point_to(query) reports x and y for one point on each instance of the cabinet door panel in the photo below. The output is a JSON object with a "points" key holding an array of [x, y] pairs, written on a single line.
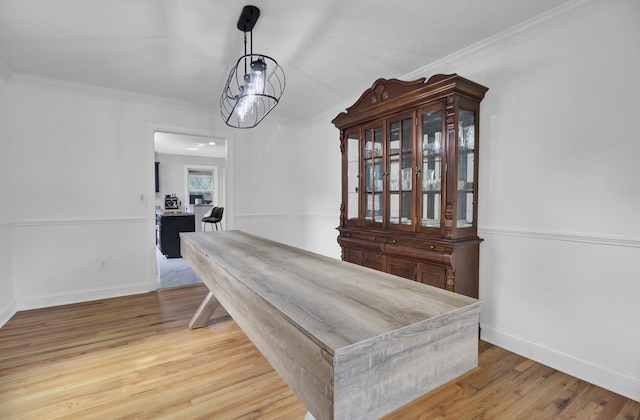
{"points": [[352, 181], [465, 182], [432, 169], [373, 260], [432, 275], [400, 170], [401, 267], [353, 255], [373, 175]]}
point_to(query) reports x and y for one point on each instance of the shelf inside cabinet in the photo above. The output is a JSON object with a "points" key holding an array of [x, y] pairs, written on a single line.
{"points": [[400, 220]]}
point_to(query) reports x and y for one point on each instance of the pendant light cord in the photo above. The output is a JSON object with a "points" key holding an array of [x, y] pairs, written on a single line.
{"points": [[245, 53]]}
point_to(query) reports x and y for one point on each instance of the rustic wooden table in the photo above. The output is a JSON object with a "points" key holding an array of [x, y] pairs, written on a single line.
{"points": [[352, 343]]}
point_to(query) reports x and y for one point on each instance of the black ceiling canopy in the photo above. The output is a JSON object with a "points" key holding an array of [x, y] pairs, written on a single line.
{"points": [[248, 18]]}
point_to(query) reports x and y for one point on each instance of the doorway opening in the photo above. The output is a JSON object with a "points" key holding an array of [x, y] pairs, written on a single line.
{"points": [[192, 167]]}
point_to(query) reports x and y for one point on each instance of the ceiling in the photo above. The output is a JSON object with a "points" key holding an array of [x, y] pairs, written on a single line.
{"points": [[190, 145], [331, 50]]}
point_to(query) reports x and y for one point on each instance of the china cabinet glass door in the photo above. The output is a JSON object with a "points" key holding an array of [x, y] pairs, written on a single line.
{"points": [[431, 170], [466, 168], [373, 174], [400, 151], [353, 177]]}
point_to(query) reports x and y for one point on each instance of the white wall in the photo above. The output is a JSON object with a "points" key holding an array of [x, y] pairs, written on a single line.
{"points": [[83, 161], [559, 270], [558, 194], [269, 181], [558, 190], [322, 185], [7, 301]]}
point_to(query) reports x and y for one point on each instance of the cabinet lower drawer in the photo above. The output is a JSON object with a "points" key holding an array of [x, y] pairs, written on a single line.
{"points": [[373, 260], [401, 267], [367, 259], [442, 264], [369, 242], [353, 255], [432, 275]]}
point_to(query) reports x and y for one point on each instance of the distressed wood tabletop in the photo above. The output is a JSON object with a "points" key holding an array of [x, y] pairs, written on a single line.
{"points": [[350, 341]]}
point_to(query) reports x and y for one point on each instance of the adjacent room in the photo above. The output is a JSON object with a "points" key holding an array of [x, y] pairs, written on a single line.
{"points": [[189, 184], [384, 161]]}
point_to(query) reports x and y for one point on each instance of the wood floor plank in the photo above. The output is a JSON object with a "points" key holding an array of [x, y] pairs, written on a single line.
{"points": [[630, 411], [135, 357]]}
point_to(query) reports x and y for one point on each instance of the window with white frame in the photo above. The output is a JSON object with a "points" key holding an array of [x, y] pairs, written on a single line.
{"points": [[200, 186]]}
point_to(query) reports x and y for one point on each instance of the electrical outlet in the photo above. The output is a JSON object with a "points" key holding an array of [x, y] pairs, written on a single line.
{"points": [[103, 264]]}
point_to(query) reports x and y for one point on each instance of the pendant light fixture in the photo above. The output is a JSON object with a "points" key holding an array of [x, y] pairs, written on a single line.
{"points": [[255, 84]]}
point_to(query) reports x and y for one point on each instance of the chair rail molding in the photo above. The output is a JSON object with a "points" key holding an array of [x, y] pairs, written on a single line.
{"points": [[273, 215], [77, 221], [610, 240]]}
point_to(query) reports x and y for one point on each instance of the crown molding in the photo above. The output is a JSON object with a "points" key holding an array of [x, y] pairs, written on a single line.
{"points": [[517, 34], [514, 35], [26, 79]]}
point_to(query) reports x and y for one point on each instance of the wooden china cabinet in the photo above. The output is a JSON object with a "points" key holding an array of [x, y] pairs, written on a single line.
{"points": [[410, 180]]}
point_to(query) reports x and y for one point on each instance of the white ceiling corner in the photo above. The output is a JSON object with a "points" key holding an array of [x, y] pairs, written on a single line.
{"points": [[330, 51]]}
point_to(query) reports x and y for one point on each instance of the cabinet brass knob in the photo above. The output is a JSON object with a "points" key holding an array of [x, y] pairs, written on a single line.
{"points": [[374, 238], [394, 241], [432, 247]]}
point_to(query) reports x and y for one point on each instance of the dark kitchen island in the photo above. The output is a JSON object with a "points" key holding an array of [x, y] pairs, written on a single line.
{"points": [[170, 224]]}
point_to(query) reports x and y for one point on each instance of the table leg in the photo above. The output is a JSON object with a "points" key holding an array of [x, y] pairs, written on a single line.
{"points": [[204, 312]]}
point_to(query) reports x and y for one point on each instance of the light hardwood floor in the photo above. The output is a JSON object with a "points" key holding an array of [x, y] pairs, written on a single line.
{"points": [[135, 357]]}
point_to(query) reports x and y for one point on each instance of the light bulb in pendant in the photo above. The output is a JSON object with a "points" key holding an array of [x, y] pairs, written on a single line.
{"points": [[259, 69]]}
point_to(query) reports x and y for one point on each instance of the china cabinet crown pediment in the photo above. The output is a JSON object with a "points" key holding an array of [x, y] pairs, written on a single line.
{"points": [[410, 180]]}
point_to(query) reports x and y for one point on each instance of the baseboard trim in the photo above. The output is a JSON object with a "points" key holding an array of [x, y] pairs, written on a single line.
{"points": [[603, 376], [8, 311], [78, 296]]}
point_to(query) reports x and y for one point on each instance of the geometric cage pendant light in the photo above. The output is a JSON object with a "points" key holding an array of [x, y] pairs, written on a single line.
{"points": [[255, 84]]}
